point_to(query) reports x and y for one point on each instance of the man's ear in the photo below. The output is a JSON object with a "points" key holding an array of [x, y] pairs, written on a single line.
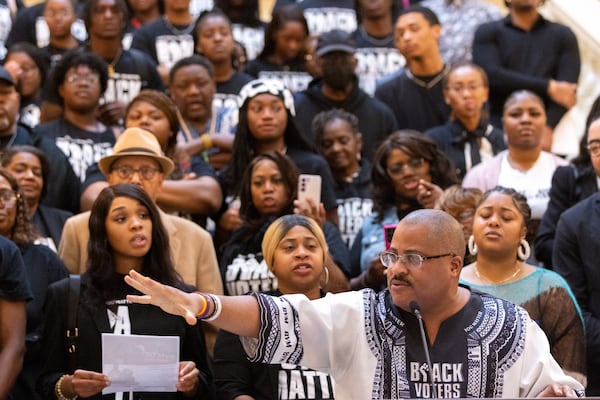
{"points": [[456, 265]]}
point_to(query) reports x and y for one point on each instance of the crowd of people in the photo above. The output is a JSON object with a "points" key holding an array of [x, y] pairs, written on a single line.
{"points": [[153, 162]]}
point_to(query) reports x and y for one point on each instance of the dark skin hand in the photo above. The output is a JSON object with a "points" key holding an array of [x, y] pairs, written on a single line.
{"points": [[111, 114]]}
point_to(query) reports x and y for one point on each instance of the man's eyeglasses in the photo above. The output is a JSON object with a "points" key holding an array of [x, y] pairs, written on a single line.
{"points": [[90, 79], [126, 172], [395, 170], [410, 260], [594, 149], [8, 198]]}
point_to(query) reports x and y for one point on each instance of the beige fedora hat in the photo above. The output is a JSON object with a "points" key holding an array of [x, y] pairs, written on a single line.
{"points": [[136, 142]]}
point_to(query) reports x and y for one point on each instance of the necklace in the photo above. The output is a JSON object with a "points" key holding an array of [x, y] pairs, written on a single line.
{"points": [[432, 82], [111, 65], [514, 274]]}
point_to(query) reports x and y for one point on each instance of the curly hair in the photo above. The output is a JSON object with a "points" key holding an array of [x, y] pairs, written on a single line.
{"points": [[76, 58], [23, 232], [289, 174], [457, 199], [414, 144], [157, 263]]}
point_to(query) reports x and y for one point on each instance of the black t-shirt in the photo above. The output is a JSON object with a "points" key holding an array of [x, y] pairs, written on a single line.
{"points": [[314, 164], [234, 84], [14, 285], [293, 75], [62, 185], [134, 71], [354, 202], [242, 265], [251, 37], [164, 42], [82, 148], [415, 106], [325, 15], [30, 26], [226, 101], [377, 57]]}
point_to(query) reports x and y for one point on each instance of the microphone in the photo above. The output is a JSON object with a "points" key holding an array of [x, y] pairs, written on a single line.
{"points": [[416, 310]]}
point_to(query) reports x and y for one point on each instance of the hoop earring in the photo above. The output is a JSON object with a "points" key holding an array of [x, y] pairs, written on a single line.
{"points": [[524, 250], [472, 245], [326, 275]]}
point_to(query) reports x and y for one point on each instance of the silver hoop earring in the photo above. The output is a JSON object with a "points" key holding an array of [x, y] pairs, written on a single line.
{"points": [[472, 245], [524, 250]]}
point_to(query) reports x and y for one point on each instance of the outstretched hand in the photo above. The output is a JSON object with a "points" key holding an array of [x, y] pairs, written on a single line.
{"points": [[169, 299], [557, 390]]}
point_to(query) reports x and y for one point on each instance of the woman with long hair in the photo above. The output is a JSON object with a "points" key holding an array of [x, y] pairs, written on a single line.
{"points": [[267, 123], [501, 269], [42, 268], [269, 188], [296, 255], [409, 173], [126, 233]]}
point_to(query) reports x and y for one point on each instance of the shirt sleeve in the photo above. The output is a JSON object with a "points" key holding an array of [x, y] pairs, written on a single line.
{"points": [[14, 285]]}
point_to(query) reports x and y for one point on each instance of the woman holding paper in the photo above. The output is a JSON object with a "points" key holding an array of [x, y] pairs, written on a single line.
{"points": [[125, 233]]}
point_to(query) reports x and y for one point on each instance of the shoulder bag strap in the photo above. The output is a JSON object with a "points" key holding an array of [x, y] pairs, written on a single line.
{"points": [[72, 333]]}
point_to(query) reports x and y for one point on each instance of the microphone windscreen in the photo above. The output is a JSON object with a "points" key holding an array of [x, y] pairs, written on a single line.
{"points": [[414, 307]]}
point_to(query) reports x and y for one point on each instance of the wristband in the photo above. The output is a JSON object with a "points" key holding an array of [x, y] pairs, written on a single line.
{"points": [[202, 313], [58, 389], [206, 141], [217, 307]]}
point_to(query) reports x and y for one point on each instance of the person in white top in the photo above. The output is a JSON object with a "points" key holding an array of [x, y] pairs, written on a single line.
{"points": [[524, 166], [373, 344]]}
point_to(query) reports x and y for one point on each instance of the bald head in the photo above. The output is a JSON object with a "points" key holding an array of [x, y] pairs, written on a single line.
{"points": [[443, 231]]}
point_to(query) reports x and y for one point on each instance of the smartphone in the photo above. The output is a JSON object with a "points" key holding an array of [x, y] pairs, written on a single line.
{"points": [[388, 232], [309, 186]]}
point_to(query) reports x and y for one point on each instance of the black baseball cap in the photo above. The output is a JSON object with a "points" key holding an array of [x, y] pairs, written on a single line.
{"points": [[5, 76], [335, 40]]}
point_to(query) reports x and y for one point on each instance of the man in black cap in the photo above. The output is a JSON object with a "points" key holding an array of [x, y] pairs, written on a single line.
{"points": [[338, 88]]}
